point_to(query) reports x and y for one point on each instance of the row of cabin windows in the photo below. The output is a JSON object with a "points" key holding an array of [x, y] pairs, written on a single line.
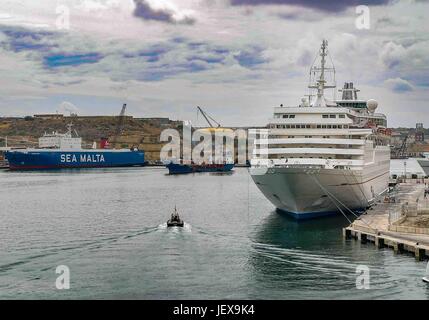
{"points": [[333, 126], [324, 137], [324, 116], [291, 137], [360, 105], [301, 157], [309, 126], [339, 157], [305, 158], [327, 137], [285, 116], [286, 146], [333, 116]]}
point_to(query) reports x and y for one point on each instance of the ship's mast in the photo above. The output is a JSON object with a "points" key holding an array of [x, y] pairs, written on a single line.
{"points": [[320, 84]]}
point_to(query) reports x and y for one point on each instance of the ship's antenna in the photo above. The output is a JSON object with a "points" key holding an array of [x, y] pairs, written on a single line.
{"points": [[334, 77], [312, 73], [320, 84]]}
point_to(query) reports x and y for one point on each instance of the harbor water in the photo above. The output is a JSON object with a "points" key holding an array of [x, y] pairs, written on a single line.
{"points": [[108, 226]]}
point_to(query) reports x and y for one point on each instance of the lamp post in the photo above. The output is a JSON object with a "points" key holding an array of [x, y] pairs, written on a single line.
{"points": [[405, 170]]}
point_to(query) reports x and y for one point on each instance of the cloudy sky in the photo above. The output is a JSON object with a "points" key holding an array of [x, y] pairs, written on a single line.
{"points": [[235, 58]]}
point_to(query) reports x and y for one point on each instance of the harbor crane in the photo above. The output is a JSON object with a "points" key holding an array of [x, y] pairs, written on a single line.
{"points": [[120, 125], [401, 153], [208, 118]]}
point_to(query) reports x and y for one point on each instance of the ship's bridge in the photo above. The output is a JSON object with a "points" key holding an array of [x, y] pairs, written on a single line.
{"points": [[352, 104], [309, 117]]}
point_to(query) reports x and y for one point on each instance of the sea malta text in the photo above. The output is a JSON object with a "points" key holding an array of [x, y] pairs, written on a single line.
{"points": [[86, 158]]}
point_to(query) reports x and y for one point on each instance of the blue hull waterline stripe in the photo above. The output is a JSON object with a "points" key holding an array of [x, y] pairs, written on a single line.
{"points": [[42, 159]]}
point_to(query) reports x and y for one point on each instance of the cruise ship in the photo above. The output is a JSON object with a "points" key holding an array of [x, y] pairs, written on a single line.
{"points": [[323, 156]]}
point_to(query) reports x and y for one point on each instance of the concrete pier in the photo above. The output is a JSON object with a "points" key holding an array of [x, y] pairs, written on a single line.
{"points": [[380, 225]]}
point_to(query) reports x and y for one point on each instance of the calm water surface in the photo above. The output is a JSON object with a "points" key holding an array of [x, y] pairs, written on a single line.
{"points": [[108, 227]]}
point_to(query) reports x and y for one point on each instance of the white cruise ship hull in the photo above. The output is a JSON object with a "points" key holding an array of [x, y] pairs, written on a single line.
{"points": [[305, 193]]}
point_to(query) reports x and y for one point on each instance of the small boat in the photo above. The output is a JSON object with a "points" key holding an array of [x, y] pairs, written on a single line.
{"points": [[175, 220], [426, 278]]}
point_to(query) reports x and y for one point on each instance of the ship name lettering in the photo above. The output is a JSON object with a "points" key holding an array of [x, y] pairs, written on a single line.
{"points": [[68, 158], [91, 158]]}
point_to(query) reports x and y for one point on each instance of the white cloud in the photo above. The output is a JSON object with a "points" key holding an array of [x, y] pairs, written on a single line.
{"points": [[67, 107], [399, 85], [376, 60], [164, 11], [392, 54], [97, 5]]}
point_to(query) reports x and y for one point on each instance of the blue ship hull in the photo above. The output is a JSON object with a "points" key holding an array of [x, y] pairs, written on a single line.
{"points": [[40, 159], [175, 168]]}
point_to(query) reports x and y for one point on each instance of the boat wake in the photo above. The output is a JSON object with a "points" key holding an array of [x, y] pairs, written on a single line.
{"points": [[86, 245], [186, 227], [319, 263]]}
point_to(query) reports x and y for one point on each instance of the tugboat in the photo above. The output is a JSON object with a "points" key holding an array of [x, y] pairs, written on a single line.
{"points": [[175, 220]]}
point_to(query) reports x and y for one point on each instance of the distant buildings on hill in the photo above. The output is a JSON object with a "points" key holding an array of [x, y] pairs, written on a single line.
{"points": [[410, 142]]}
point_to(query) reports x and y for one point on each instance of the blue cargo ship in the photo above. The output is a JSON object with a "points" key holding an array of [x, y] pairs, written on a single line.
{"points": [[178, 168], [60, 151]]}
